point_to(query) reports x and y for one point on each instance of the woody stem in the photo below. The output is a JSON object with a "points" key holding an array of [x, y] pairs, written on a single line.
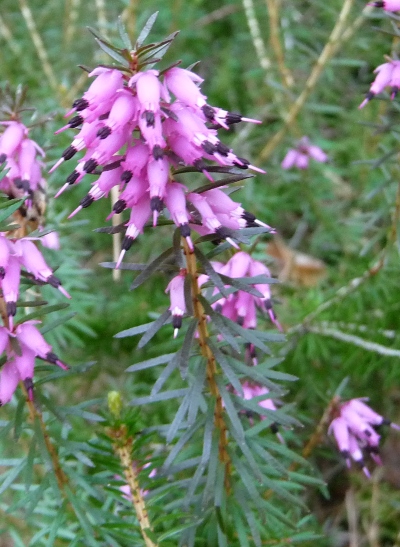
{"points": [[211, 364]]}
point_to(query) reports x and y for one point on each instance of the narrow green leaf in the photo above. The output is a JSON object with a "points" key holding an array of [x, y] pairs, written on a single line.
{"points": [[209, 270], [223, 328], [30, 303], [10, 476], [178, 418], [56, 526], [151, 268], [222, 359], [30, 460], [112, 53], [205, 456], [184, 353], [249, 335], [146, 29], [133, 331], [82, 517], [165, 374], [19, 420], [164, 396], [58, 322], [124, 35], [150, 363], [155, 327], [45, 311], [10, 207], [182, 441]]}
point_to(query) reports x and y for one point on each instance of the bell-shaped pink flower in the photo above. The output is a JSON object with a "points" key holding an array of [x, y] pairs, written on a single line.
{"points": [[10, 287], [148, 89], [123, 112], [32, 259], [387, 75], [387, 5], [175, 200], [176, 292], [140, 214], [182, 84]]}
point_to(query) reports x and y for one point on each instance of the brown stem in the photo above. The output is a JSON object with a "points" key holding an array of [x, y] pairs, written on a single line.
{"points": [[122, 444], [35, 414], [211, 366]]}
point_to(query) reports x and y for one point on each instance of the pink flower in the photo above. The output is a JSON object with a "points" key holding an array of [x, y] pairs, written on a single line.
{"points": [[51, 241], [387, 75], [177, 296], [299, 156], [387, 5], [20, 363], [354, 432]]}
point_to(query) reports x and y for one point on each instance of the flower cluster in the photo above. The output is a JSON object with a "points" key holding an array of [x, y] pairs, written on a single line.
{"points": [[354, 432], [387, 5], [22, 344], [387, 75], [158, 134], [19, 154], [239, 306], [15, 254], [300, 156]]}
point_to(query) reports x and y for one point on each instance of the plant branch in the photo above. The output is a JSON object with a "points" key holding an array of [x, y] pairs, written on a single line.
{"points": [[211, 367], [123, 444]]}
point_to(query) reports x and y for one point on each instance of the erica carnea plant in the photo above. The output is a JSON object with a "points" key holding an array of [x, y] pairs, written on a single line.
{"points": [[148, 132], [209, 448]]}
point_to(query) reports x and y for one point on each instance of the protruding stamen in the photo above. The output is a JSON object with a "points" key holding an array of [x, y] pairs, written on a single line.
{"points": [[75, 212], [62, 189]]}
